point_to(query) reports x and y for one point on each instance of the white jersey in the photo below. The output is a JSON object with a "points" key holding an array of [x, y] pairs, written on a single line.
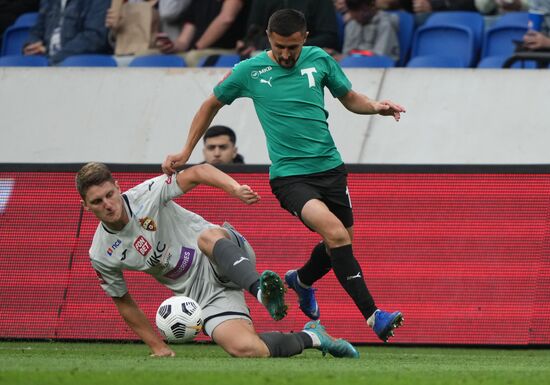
{"points": [[160, 239]]}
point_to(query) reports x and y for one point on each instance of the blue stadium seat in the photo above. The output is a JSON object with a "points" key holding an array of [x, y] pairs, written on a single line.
{"points": [[90, 60], [451, 40], [406, 34], [23, 61], [376, 61], [499, 40], [228, 60], [497, 61], [26, 19], [14, 38], [512, 19], [435, 61], [158, 61], [472, 20]]}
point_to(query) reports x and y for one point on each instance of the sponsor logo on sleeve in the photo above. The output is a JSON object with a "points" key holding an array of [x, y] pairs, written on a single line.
{"points": [[184, 263], [148, 224], [142, 245]]}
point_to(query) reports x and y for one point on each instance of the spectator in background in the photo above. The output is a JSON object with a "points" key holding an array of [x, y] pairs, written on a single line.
{"points": [[220, 146], [132, 26], [209, 27], [534, 40], [498, 7], [65, 28], [10, 10], [393, 5], [171, 16], [371, 30], [320, 18], [428, 6], [342, 9]]}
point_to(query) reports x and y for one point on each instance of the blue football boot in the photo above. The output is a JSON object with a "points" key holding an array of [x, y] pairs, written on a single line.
{"points": [[306, 296], [385, 323]]}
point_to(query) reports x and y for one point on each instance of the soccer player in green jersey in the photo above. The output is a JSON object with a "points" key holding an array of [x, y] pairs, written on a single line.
{"points": [[307, 174]]}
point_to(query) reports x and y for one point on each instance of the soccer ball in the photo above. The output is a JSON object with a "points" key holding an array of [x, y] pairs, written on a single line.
{"points": [[179, 319]]}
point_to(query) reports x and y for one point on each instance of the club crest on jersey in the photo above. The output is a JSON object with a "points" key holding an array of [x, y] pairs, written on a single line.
{"points": [[142, 245], [148, 224]]}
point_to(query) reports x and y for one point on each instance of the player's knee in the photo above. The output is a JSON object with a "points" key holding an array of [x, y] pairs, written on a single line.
{"points": [[208, 238], [336, 236]]}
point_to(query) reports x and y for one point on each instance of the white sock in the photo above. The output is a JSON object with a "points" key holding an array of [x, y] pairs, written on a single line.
{"points": [[371, 319], [314, 338]]}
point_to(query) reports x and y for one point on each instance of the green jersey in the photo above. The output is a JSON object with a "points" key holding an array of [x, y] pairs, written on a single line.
{"points": [[290, 104]]}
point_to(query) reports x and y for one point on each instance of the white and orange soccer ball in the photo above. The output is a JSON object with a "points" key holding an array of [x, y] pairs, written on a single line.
{"points": [[179, 319]]}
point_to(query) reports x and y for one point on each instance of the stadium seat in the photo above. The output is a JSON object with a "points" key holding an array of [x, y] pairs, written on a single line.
{"points": [[472, 20], [23, 61], [435, 61], [499, 40], [14, 38], [89, 61], [451, 40], [512, 19], [26, 19], [158, 61], [497, 61], [228, 60], [376, 61], [405, 35]]}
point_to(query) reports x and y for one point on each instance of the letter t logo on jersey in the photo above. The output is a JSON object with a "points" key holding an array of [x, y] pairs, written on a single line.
{"points": [[309, 72]]}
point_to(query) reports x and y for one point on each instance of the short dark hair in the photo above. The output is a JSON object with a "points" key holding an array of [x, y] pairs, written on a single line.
{"points": [[354, 5], [286, 22], [220, 130], [92, 174]]}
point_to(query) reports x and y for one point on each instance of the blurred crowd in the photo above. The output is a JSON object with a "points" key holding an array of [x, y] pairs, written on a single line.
{"points": [[197, 29]]}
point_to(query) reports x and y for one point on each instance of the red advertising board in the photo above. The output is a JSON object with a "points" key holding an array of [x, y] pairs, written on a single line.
{"points": [[464, 255]]}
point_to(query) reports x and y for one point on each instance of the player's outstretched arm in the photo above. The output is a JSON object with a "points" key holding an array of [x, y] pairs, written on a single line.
{"points": [[138, 322], [361, 104], [209, 175], [199, 125]]}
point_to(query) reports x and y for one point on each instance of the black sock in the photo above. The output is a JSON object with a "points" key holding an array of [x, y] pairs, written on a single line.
{"points": [[351, 278], [254, 288], [286, 344], [234, 263], [317, 265]]}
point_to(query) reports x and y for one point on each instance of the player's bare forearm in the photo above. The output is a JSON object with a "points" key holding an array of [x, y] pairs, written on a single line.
{"points": [[138, 322], [209, 175], [219, 26], [361, 104], [199, 125]]}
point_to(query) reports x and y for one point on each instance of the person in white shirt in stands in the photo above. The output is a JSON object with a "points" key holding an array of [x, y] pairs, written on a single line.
{"points": [[144, 230]]}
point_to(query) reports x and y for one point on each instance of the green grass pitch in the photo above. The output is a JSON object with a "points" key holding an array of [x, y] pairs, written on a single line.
{"points": [[107, 363]]}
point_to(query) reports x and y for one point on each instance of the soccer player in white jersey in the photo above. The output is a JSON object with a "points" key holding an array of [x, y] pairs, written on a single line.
{"points": [[307, 174], [144, 230]]}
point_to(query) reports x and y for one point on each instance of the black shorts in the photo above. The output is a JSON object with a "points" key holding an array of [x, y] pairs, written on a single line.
{"points": [[330, 187]]}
